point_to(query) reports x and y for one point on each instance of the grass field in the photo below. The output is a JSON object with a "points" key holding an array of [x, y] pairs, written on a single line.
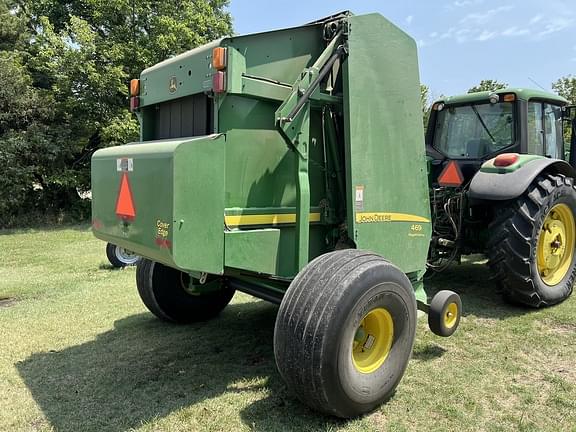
{"points": [[79, 352]]}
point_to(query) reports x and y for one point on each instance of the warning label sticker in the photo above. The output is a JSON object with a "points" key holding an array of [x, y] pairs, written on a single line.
{"points": [[125, 164], [359, 198]]}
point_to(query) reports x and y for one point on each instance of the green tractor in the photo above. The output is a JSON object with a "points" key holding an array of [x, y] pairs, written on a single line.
{"points": [[501, 176]]}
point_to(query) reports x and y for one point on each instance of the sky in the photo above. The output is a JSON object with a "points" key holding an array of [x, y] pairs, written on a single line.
{"points": [[525, 43]]}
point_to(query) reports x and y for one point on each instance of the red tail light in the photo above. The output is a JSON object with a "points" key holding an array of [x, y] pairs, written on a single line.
{"points": [[506, 159], [219, 82], [134, 103]]}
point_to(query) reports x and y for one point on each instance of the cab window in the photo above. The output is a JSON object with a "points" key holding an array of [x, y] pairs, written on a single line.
{"points": [[474, 131], [545, 130]]}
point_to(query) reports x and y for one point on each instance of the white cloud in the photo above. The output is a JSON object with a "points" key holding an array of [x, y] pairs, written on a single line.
{"points": [[515, 31], [535, 19], [555, 25], [447, 34], [409, 19], [481, 23], [462, 35], [486, 35], [465, 3], [482, 18]]}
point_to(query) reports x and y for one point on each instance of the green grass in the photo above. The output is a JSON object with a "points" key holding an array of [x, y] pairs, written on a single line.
{"points": [[79, 352]]}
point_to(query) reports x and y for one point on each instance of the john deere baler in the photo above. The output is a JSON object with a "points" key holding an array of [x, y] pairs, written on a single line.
{"points": [[289, 165]]}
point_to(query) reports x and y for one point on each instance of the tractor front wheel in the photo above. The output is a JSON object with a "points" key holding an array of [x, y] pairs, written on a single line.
{"points": [[166, 293], [533, 241], [345, 331]]}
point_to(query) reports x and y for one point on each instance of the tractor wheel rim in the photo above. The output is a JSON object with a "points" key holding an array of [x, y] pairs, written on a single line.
{"points": [[451, 315], [125, 256], [373, 340], [556, 242]]}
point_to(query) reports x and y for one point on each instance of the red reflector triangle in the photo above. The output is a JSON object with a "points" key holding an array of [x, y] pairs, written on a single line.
{"points": [[125, 204], [451, 175]]}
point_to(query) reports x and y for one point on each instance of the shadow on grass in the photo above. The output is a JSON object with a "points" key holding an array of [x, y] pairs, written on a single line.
{"points": [[110, 267], [145, 369], [480, 295]]}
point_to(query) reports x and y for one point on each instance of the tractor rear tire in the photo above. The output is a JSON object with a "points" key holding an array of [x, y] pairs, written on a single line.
{"points": [[345, 331], [163, 291], [532, 246]]}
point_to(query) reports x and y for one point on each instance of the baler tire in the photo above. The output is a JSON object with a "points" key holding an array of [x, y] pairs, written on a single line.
{"points": [[162, 291], [444, 313], [513, 247], [115, 256], [323, 328]]}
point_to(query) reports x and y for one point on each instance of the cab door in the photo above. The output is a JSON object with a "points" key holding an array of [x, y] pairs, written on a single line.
{"points": [[545, 136]]}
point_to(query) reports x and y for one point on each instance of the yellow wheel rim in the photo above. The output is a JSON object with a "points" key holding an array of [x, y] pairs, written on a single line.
{"points": [[451, 315], [373, 340], [555, 249]]}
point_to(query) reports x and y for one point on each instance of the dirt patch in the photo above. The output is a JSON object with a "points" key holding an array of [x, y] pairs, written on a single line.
{"points": [[6, 302], [558, 328]]}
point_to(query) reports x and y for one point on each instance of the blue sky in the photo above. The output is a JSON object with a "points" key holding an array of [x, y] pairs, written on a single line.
{"points": [[460, 41]]}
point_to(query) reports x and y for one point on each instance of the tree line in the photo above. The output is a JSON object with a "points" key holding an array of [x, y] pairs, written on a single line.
{"points": [[65, 66]]}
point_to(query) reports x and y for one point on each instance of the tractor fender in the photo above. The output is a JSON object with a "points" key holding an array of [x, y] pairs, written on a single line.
{"points": [[508, 185]]}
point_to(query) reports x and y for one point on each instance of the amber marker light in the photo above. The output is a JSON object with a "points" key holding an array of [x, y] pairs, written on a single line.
{"points": [[134, 87], [219, 59]]}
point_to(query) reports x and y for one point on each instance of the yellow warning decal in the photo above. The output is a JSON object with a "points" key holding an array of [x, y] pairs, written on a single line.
{"points": [[379, 217], [266, 219]]}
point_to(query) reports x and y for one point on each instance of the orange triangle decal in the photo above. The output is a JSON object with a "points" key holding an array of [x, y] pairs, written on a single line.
{"points": [[125, 204], [451, 175]]}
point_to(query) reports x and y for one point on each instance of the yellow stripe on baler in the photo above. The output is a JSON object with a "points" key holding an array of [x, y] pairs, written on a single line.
{"points": [[266, 219]]}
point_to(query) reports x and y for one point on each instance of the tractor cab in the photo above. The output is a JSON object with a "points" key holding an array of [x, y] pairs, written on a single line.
{"points": [[473, 128]]}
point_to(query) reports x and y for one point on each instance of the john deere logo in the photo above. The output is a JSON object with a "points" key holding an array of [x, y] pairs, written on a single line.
{"points": [[173, 85]]}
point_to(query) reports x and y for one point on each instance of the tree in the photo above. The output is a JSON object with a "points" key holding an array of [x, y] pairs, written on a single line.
{"points": [[64, 74], [487, 85], [566, 87]]}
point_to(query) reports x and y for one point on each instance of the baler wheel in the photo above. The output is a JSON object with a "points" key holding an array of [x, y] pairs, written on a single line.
{"points": [[164, 292], [345, 331], [120, 257], [444, 313], [533, 241]]}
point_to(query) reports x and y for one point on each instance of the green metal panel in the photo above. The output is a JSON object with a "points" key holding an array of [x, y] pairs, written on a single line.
{"points": [[254, 250], [387, 192], [190, 71], [279, 55], [269, 251], [177, 188]]}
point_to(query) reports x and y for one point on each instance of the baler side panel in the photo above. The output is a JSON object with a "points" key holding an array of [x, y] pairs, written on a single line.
{"points": [[387, 189]]}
